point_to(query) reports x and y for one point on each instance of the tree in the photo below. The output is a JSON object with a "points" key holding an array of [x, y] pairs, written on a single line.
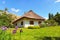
{"points": [[6, 9], [51, 22], [57, 18], [50, 16], [5, 18]]}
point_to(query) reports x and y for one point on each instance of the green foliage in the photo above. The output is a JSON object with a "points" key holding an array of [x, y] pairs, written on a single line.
{"points": [[48, 23], [32, 34], [51, 23], [33, 27], [6, 18], [4, 35], [50, 16], [54, 19], [6, 9], [57, 18], [43, 24]]}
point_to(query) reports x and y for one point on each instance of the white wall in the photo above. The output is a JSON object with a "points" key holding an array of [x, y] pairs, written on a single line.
{"points": [[26, 22], [19, 23], [36, 23]]}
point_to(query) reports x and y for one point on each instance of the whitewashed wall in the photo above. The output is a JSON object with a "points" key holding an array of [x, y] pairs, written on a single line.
{"points": [[19, 23], [26, 23], [36, 23]]}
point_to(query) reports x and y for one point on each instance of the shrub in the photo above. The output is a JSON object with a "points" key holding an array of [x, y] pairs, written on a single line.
{"points": [[43, 24], [51, 23], [33, 27]]}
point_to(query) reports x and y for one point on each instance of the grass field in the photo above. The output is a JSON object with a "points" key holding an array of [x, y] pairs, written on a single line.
{"points": [[35, 34]]}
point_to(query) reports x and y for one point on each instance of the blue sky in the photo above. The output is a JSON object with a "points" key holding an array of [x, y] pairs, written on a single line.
{"points": [[40, 7]]}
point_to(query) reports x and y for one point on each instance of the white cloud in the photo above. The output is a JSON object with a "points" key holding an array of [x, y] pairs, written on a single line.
{"points": [[57, 1], [3, 2], [15, 10], [45, 18]]}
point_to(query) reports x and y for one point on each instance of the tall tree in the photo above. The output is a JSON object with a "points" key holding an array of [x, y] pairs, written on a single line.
{"points": [[6, 9], [50, 16], [57, 18]]}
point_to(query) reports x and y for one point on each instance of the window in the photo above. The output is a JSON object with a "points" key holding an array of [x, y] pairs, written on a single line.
{"points": [[31, 22], [22, 23], [39, 22], [16, 24]]}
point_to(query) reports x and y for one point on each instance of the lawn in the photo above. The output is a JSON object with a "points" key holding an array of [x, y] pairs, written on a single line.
{"points": [[34, 34]]}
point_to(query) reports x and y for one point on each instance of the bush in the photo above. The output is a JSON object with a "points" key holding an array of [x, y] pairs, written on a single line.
{"points": [[43, 24], [51, 23], [33, 27]]}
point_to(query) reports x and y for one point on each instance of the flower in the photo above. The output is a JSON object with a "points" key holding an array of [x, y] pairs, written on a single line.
{"points": [[16, 27], [14, 31], [4, 28]]}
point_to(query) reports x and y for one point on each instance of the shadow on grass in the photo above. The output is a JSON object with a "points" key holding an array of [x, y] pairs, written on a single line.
{"points": [[38, 38], [46, 38], [57, 38]]}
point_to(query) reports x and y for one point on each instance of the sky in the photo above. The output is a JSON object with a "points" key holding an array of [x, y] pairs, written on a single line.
{"points": [[40, 7]]}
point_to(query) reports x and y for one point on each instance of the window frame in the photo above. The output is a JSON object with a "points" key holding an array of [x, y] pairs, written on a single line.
{"points": [[21, 22], [39, 22], [31, 22]]}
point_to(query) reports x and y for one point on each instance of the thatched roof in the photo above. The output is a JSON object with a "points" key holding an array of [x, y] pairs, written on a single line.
{"points": [[32, 15]]}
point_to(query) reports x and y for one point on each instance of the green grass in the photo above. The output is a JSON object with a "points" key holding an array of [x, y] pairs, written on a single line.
{"points": [[34, 34]]}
